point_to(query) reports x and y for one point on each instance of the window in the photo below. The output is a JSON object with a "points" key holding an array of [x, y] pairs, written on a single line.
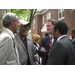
{"points": [[43, 20], [72, 9], [48, 16], [34, 24], [60, 14]]}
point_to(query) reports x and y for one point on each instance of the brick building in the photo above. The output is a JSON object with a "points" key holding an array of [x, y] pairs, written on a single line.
{"points": [[42, 15]]}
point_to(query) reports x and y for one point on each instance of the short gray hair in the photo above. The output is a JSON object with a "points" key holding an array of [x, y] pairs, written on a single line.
{"points": [[7, 18]]}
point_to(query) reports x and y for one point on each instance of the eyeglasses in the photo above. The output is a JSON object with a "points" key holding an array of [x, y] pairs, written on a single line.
{"points": [[27, 26]]}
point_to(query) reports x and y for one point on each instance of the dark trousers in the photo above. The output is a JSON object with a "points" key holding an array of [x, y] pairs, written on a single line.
{"points": [[44, 61]]}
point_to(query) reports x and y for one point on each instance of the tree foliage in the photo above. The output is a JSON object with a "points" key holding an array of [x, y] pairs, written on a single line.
{"points": [[26, 14]]}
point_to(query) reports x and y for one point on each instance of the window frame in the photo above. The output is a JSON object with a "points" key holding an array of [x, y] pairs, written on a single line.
{"points": [[34, 24], [60, 11], [43, 20], [72, 9], [48, 16]]}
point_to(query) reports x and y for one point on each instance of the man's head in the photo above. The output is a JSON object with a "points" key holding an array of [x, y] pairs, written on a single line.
{"points": [[11, 21], [60, 28], [24, 27], [50, 24], [73, 34]]}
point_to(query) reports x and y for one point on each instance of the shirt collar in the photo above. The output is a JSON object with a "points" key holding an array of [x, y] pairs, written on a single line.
{"points": [[73, 39], [61, 37], [11, 33], [52, 36]]}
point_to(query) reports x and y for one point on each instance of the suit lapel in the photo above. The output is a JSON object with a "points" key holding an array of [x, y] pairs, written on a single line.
{"points": [[48, 38], [54, 42], [20, 41], [48, 42], [30, 52], [28, 44]]}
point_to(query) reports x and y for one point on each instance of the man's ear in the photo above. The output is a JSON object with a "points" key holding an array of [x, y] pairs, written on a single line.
{"points": [[12, 23], [57, 31], [74, 34]]}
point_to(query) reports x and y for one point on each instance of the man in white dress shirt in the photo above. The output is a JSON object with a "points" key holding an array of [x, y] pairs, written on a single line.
{"points": [[8, 51], [46, 45]]}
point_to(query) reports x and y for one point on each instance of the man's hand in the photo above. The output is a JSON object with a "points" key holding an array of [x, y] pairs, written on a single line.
{"points": [[42, 48]]}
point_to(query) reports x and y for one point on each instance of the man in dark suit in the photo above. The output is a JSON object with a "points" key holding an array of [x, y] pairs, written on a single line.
{"points": [[62, 52], [73, 37], [45, 48]]}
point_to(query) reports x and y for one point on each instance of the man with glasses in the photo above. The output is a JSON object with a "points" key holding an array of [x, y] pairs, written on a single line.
{"points": [[25, 44], [8, 50]]}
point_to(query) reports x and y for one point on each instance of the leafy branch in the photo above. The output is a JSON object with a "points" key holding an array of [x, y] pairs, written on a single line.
{"points": [[26, 14]]}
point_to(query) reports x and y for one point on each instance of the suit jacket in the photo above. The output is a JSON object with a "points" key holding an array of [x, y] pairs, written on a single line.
{"points": [[73, 42], [62, 53], [45, 44], [23, 51], [8, 54]]}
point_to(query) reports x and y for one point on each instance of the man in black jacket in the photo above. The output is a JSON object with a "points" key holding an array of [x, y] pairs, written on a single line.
{"points": [[73, 37], [45, 47], [62, 52]]}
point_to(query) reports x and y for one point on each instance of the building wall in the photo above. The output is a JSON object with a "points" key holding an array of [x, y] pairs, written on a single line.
{"points": [[38, 25], [69, 19], [54, 15]]}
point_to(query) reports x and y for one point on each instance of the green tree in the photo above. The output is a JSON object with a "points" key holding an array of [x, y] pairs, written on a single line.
{"points": [[26, 14], [1, 15]]}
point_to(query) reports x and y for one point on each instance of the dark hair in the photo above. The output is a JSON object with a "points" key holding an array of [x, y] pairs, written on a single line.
{"points": [[46, 34], [73, 31], [61, 26], [52, 21]]}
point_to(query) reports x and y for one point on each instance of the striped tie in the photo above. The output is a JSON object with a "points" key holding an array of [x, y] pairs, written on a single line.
{"points": [[50, 43]]}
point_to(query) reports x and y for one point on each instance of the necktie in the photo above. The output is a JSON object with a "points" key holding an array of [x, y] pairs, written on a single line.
{"points": [[17, 49], [50, 43]]}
